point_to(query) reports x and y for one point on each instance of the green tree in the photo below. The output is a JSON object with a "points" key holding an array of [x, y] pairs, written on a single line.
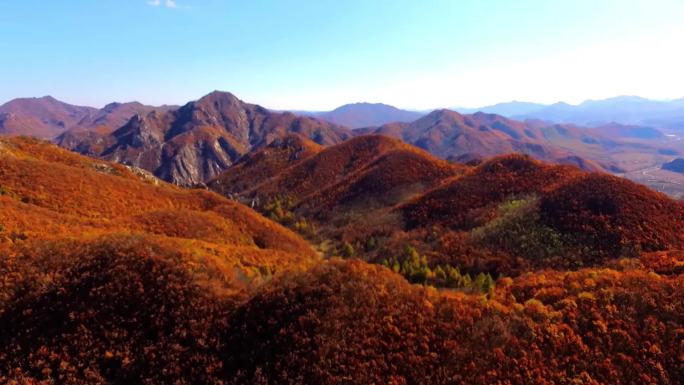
{"points": [[347, 250], [371, 243]]}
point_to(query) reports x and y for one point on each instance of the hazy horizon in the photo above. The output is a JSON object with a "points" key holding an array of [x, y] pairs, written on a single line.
{"points": [[344, 104], [293, 55]]}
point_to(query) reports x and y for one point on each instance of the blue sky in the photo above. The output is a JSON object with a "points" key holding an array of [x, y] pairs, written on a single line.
{"points": [[318, 54]]}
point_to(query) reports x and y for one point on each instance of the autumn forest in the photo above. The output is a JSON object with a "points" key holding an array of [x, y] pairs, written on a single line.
{"points": [[364, 260]]}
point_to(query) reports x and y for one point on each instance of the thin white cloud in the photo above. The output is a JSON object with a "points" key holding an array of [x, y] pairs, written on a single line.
{"points": [[166, 3]]}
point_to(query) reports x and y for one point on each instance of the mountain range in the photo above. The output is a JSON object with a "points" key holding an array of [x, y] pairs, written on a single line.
{"points": [[451, 135], [627, 110], [197, 141], [194, 143]]}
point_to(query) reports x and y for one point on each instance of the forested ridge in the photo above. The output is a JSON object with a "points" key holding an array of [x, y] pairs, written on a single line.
{"points": [[511, 271]]}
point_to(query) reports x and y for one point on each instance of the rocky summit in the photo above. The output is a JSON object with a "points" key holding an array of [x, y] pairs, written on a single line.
{"points": [[196, 142]]}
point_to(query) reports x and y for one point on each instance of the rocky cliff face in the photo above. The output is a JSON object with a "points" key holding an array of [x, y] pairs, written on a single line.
{"points": [[196, 142]]}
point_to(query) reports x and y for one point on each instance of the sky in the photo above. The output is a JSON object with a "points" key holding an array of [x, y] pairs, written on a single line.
{"points": [[319, 54]]}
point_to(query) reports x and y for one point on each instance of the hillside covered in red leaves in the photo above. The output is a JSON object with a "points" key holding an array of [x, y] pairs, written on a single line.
{"points": [[372, 197], [529, 214], [508, 272]]}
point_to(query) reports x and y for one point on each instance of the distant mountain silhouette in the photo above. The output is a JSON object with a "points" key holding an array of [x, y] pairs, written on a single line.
{"points": [[615, 130], [47, 117], [514, 108], [359, 115], [676, 165], [196, 142], [626, 110]]}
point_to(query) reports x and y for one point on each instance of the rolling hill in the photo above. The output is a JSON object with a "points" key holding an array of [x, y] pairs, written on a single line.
{"points": [[339, 187], [375, 195], [49, 193], [532, 215]]}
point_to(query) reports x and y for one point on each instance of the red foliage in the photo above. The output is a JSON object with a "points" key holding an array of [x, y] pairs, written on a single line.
{"points": [[329, 166], [384, 182], [258, 166], [611, 214], [469, 201]]}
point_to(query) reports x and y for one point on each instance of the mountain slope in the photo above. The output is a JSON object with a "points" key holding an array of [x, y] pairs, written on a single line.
{"points": [[615, 148], [264, 163], [615, 130], [346, 322], [50, 193], [115, 115], [339, 167], [194, 143], [497, 217]]}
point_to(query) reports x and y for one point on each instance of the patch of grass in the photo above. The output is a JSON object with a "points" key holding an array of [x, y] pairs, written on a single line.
{"points": [[517, 230]]}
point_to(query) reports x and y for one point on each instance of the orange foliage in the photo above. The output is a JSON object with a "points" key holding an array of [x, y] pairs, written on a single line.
{"points": [[332, 166], [347, 322], [50, 193], [258, 166]]}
